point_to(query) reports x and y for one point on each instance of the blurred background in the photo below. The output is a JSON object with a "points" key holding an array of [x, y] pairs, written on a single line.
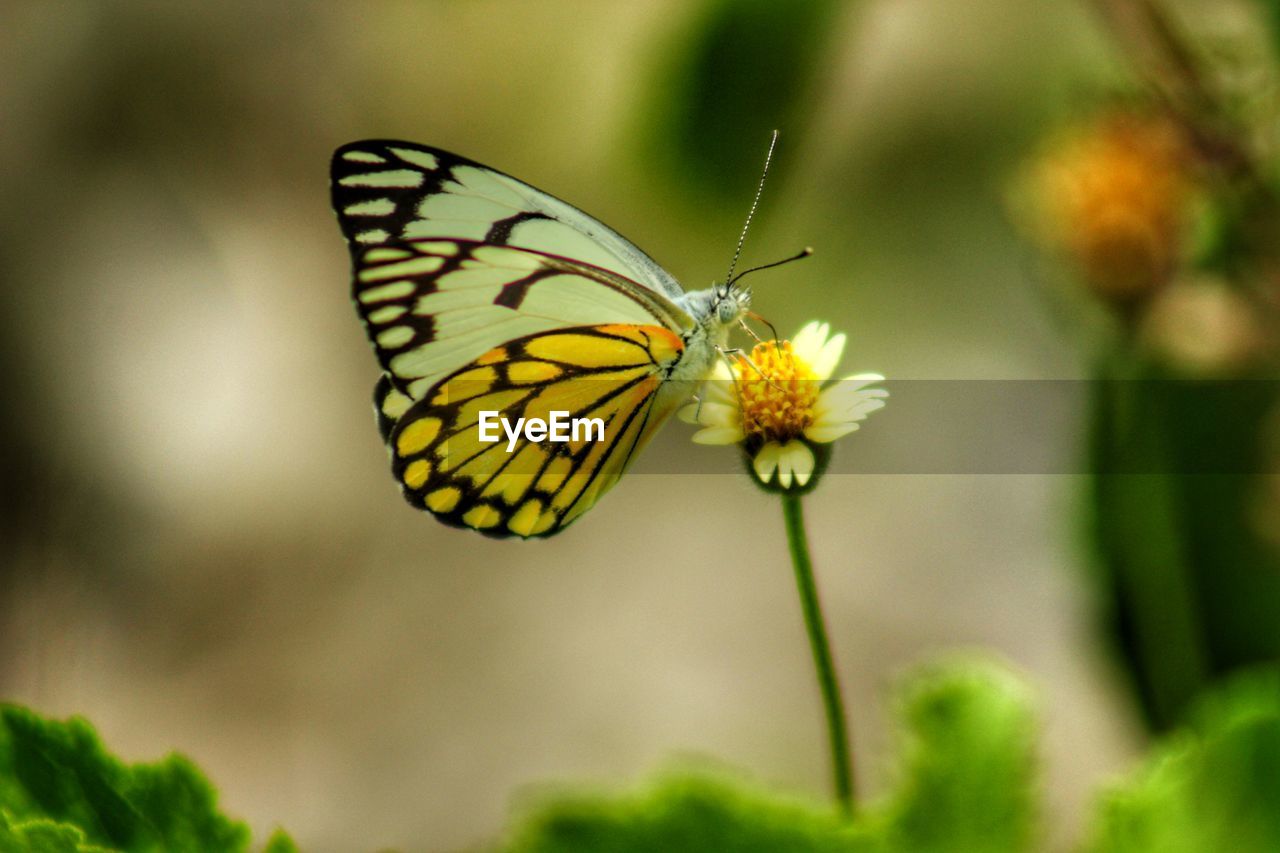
{"points": [[202, 549]]}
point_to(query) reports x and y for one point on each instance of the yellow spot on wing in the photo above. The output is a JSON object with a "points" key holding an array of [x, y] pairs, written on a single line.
{"points": [[443, 500], [532, 371], [417, 435], [586, 350], [417, 473], [525, 519], [481, 516], [395, 404]]}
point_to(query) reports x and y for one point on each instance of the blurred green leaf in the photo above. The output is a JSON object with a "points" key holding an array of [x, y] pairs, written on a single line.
{"points": [[743, 70], [280, 842], [1190, 587], [683, 813], [1213, 788], [1271, 14], [967, 782], [61, 790], [965, 786]]}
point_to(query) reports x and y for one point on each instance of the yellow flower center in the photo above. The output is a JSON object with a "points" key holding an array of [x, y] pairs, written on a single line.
{"points": [[777, 392]]}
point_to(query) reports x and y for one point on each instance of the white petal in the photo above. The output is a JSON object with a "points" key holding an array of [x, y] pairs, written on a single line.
{"points": [[722, 414], [824, 433], [825, 360], [711, 414], [721, 391], [718, 435], [784, 470], [802, 461], [851, 390], [766, 461], [829, 411], [808, 342], [864, 379]]}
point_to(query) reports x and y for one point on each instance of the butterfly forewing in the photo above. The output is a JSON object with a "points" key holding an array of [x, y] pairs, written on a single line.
{"points": [[387, 190]]}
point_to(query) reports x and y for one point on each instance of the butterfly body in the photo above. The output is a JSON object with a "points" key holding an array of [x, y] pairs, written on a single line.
{"points": [[482, 296]]}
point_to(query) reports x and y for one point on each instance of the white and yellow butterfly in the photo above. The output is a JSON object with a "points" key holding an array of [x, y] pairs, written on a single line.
{"points": [[481, 293]]}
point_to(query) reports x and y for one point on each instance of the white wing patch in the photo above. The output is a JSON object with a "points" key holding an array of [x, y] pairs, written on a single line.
{"points": [[391, 178], [388, 191]]}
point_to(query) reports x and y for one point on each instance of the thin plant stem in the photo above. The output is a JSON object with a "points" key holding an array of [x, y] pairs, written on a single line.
{"points": [[837, 729]]}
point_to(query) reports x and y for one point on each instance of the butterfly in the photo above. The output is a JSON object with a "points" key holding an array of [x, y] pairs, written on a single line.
{"points": [[485, 297]]}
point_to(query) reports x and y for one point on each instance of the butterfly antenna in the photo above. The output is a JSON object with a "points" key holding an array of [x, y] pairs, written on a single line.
{"points": [[800, 255], [768, 158]]}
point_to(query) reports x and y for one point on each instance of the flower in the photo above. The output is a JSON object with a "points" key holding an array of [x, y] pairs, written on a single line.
{"points": [[778, 404], [1116, 196]]}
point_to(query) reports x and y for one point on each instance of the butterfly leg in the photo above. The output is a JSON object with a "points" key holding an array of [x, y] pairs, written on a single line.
{"points": [[725, 352], [754, 316]]}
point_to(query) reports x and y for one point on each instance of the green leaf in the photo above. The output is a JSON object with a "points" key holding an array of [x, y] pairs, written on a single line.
{"points": [[280, 842], [683, 813], [968, 761], [743, 69], [965, 786], [43, 836], [61, 790], [1215, 787]]}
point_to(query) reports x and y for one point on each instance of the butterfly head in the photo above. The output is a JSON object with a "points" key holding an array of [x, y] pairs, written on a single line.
{"points": [[727, 303], [718, 308], [731, 303]]}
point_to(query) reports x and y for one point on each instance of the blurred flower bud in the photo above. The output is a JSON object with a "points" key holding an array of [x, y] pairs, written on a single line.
{"points": [[1203, 328], [1114, 196]]}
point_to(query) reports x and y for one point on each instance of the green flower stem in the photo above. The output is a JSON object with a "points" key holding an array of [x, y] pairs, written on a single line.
{"points": [[837, 730]]}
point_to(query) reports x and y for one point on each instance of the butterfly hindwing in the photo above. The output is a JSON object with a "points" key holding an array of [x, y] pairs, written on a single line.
{"points": [[387, 190], [610, 372]]}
